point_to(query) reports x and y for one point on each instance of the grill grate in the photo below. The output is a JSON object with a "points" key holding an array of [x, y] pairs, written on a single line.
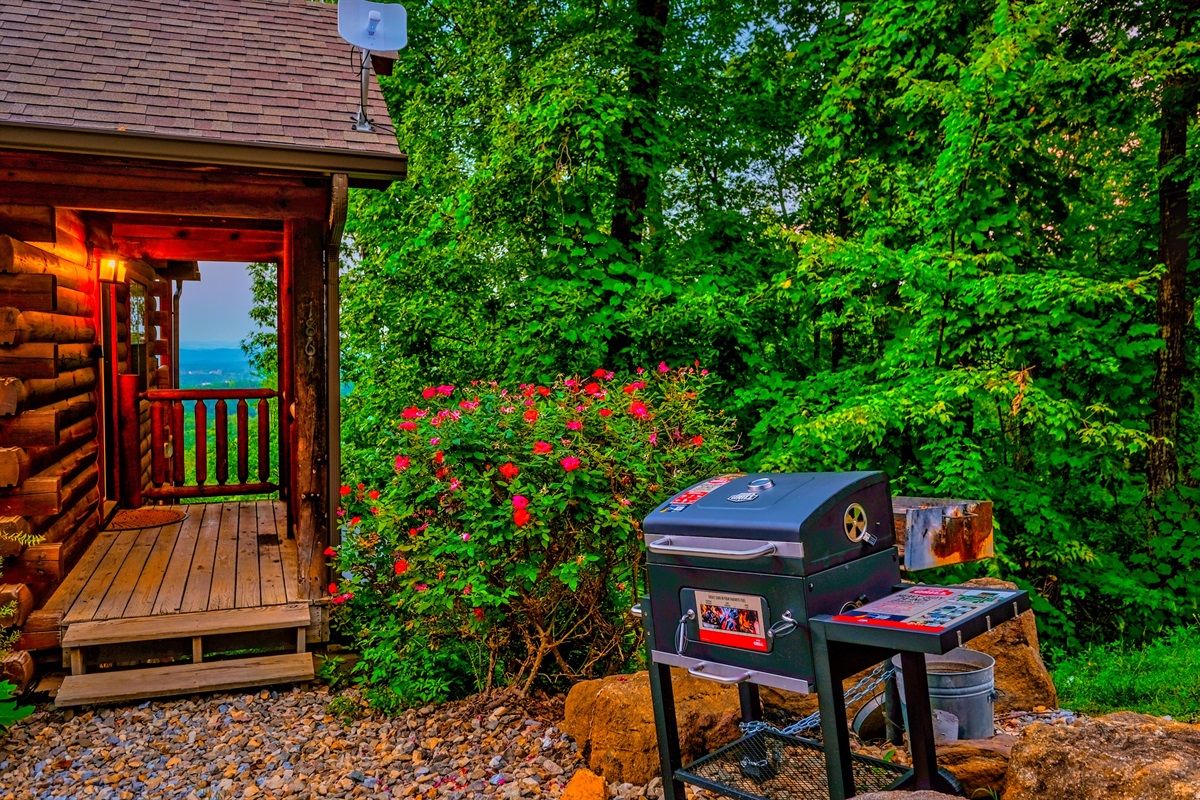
{"points": [[771, 766]]}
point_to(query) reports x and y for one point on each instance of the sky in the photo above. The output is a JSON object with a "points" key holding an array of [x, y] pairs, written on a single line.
{"points": [[215, 311]]}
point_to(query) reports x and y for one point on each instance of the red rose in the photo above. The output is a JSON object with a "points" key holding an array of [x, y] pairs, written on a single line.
{"points": [[408, 425], [543, 391], [541, 448], [329, 551], [439, 457], [520, 517], [531, 416], [569, 463], [401, 566], [373, 494], [509, 471], [345, 490], [600, 373], [592, 388], [606, 412], [333, 588], [429, 393], [697, 440], [479, 614]]}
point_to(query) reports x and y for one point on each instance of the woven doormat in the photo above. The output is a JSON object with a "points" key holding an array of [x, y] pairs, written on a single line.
{"points": [[128, 519]]}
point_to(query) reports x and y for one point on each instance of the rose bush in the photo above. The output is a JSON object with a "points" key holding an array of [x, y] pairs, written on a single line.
{"points": [[494, 535]]}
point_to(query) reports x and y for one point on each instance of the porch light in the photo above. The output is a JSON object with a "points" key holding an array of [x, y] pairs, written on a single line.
{"points": [[112, 269]]}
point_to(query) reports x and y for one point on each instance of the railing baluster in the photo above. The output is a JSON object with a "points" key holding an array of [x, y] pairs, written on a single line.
{"points": [[201, 442], [264, 440], [243, 445], [177, 444], [158, 459], [222, 424]]}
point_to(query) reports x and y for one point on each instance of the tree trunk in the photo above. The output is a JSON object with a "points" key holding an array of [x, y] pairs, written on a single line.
{"points": [[645, 82], [1179, 107]]}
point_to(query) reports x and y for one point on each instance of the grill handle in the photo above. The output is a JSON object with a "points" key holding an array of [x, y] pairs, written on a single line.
{"points": [[664, 547], [698, 672]]}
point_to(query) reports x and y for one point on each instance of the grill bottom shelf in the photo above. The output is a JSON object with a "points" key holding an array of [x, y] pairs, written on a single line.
{"points": [[771, 766]]}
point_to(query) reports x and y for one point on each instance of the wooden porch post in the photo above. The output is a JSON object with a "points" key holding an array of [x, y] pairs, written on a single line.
{"points": [[130, 439], [304, 254]]}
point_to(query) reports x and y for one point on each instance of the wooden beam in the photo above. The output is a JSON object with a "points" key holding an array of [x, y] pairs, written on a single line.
{"points": [[200, 250], [17, 395], [17, 257], [29, 292], [19, 327], [70, 238], [27, 223], [127, 221], [14, 466], [305, 243]]}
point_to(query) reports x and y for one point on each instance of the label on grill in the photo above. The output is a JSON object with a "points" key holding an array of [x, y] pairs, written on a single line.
{"points": [[923, 608], [703, 489], [732, 620]]}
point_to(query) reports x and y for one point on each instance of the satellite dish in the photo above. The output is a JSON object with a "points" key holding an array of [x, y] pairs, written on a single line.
{"points": [[372, 27]]}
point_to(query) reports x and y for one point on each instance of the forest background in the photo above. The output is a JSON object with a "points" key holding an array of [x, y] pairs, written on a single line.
{"points": [[947, 240]]}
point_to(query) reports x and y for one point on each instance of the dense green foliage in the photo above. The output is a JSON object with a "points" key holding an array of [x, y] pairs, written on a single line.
{"points": [[916, 235], [496, 533], [1150, 679]]}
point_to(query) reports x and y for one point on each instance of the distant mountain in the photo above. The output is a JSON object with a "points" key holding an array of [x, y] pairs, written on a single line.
{"points": [[215, 366]]}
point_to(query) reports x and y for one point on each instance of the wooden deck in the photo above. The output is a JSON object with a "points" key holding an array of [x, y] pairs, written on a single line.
{"points": [[166, 594], [221, 556]]}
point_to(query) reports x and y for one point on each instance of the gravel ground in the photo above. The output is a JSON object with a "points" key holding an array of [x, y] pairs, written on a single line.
{"points": [[287, 744]]}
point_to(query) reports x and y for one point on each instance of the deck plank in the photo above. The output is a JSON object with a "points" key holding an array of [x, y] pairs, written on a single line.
{"points": [[175, 578], [200, 574], [281, 523], [222, 593], [66, 593], [183, 626], [291, 570], [248, 589], [141, 602], [92, 594], [124, 582], [270, 563]]}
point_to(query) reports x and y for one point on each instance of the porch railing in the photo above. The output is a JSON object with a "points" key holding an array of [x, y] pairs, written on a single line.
{"points": [[169, 476]]}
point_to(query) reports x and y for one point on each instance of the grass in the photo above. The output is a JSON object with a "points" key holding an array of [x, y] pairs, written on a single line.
{"points": [[1158, 677]]}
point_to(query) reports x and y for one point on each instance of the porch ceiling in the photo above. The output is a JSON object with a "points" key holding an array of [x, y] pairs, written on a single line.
{"points": [[149, 237]]}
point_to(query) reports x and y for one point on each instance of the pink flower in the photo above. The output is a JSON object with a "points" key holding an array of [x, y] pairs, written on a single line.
{"points": [[408, 425], [624, 502], [341, 598], [421, 587], [402, 463], [541, 448], [520, 517], [510, 471], [434, 441], [454, 484], [520, 501], [467, 589], [703, 372], [507, 409], [428, 392], [570, 383], [653, 438], [401, 566], [641, 370], [574, 425], [569, 463], [466, 537], [469, 405], [445, 391], [329, 551], [600, 373], [638, 409], [412, 412], [633, 387], [341, 512], [593, 389], [662, 367]]}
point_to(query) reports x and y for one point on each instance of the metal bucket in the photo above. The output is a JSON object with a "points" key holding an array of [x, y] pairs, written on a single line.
{"points": [[962, 682]]}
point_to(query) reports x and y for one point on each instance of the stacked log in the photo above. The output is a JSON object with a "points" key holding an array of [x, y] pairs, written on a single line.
{"points": [[49, 475]]}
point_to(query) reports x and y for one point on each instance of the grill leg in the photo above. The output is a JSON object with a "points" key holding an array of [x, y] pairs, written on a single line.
{"points": [[839, 770], [662, 694], [750, 702]]}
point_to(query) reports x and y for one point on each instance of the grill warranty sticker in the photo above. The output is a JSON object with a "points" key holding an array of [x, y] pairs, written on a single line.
{"points": [[922, 608], [703, 489]]}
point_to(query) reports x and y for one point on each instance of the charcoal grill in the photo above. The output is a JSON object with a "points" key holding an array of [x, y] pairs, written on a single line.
{"points": [[792, 580]]}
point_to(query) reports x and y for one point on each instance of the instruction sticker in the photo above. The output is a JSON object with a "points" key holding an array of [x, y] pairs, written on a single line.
{"points": [[923, 608], [732, 620]]}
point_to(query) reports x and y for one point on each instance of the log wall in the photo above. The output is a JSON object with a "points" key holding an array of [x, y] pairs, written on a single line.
{"points": [[49, 393]]}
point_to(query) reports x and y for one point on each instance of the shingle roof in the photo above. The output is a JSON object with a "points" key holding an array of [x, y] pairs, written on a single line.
{"points": [[271, 72]]}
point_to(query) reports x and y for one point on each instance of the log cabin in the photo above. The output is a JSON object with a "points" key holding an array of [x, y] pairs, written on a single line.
{"points": [[138, 138]]}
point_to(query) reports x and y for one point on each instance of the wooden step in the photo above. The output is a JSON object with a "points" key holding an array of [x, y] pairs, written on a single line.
{"points": [[183, 626], [214, 676]]}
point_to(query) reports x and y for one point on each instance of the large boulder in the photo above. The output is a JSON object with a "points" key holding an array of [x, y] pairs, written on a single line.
{"points": [[612, 721], [1022, 681], [1118, 757], [979, 764]]}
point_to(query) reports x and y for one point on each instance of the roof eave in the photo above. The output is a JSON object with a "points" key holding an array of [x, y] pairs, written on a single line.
{"points": [[364, 169]]}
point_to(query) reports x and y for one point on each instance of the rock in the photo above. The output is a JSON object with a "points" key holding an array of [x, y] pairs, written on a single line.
{"points": [[586, 785], [1022, 681], [979, 764], [612, 720], [1121, 756], [925, 795]]}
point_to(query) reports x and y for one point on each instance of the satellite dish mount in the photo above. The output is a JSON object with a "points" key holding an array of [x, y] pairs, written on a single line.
{"points": [[371, 27]]}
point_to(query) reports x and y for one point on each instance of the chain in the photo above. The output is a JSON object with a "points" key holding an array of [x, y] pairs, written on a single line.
{"points": [[864, 688]]}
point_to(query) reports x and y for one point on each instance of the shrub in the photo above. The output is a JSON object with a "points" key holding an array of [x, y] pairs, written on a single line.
{"points": [[504, 541], [1155, 678]]}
